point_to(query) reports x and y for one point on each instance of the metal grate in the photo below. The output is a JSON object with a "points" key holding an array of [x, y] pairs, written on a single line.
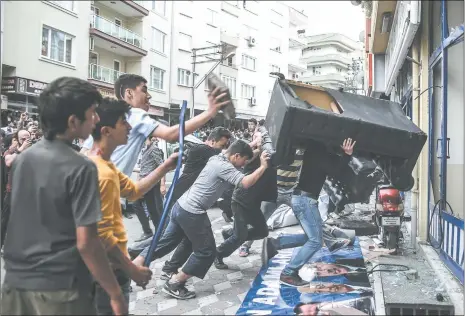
{"points": [[419, 309]]}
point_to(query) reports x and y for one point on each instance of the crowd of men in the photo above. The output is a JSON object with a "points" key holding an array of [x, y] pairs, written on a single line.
{"points": [[65, 249]]}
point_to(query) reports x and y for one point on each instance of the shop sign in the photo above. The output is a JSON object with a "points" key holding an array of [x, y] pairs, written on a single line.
{"points": [[22, 86], [107, 93], [153, 110]]}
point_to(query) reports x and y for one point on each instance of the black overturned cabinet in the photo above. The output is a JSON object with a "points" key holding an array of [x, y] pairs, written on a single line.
{"points": [[300, 114]]}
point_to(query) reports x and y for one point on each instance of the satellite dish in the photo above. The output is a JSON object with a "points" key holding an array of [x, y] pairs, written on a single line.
{"points": [[361, 36], [356, 2]]}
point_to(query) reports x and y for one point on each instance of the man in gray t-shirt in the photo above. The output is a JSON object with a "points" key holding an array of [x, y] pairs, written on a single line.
{"points": [[52, 249], [189, 215]]}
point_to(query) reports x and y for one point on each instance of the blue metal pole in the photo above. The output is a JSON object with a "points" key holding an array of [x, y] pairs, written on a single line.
{"points": [[444, 72], [156, 238]]}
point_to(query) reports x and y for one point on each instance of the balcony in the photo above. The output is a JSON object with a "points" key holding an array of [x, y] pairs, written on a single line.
{"points": [[378, 40], [114, 38], [102, 76], [127, 8], [326, 59], [297, 18], [229, 37], [334, 78]]}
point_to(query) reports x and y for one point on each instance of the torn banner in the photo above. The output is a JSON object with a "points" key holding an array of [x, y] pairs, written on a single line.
{"points": [[339, 285]]}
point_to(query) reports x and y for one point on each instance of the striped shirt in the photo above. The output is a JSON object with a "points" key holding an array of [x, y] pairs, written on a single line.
{"points": [[151, 159], [288, 175]]}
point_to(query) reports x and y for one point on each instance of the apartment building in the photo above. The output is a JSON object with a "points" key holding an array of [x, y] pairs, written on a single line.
{"points": [[329, 60], [100, 40], [92, 40], [415, 57], [256, 37]]}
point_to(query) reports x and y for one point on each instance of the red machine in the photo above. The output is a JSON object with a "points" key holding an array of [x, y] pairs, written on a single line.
{"points": [[389, 215]]}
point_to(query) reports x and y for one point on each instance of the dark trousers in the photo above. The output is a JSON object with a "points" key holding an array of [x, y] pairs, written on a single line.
{"points": [[225, 204], [197, 229], [180, 256], [243, 216], [5, 217], [102, 300], [154, 201]]}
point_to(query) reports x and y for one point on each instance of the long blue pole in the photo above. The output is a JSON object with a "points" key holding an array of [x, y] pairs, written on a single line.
{"points": [[156, 238]]}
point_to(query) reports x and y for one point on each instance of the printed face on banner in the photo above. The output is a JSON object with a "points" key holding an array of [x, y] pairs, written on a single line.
{"points": [[339, 284]]}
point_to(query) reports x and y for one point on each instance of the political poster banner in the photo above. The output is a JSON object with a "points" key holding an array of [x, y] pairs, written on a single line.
{"points": [[339, 285]]}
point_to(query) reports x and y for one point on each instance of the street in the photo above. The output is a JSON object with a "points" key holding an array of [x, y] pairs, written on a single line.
{"points": [[220, 293]]}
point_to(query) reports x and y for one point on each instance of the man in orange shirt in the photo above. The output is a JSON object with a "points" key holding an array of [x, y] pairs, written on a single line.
{"points": [[110, 132]]}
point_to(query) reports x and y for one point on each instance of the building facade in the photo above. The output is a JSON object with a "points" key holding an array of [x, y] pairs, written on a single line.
{"points": [[92, 40], [416, 53], [252, 35], [100, 40], [333, 60]]}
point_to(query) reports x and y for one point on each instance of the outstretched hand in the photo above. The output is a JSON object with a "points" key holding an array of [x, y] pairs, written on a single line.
{"points": [[348, 146]]}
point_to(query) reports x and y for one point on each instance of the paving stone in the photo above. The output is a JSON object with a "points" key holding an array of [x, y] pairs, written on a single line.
{"points": [[166, 304], [234, 275], [222, 286], [207, 300], [232, 310]]}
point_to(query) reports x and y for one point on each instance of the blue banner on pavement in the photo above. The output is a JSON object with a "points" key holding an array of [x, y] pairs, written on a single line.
{"points": [[339, 285]]}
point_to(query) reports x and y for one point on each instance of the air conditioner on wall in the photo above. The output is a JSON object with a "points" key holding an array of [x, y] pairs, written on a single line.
{"points": [[252, 101], [251, 41]]}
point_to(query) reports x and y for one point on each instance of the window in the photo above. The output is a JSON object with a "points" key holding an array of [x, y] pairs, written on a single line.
{"points": [[275, 68], [316, 71], [185, 42], [275, 44], [159, 6], [158, 43], [183, 77], [211, 17], [248, 91], [118, 22], [68, 5], [57, 45], [157, 77], [338, 69], [230, 82], [248, 62]]}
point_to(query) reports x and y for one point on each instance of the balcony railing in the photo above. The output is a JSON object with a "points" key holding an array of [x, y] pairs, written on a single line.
{"points": [[327, 77], [97, 72], [326, 58], [117, 31]]}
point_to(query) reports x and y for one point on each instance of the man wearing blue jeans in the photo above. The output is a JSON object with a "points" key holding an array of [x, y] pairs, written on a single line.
{"points": [[307, 188]]}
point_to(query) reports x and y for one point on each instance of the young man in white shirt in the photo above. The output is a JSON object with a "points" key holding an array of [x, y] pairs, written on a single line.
{"points": [[133, 89]]}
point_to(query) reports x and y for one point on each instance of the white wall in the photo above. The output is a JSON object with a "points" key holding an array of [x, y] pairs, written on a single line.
{"points": [[154, 58], [23, 38], [257, 20]]}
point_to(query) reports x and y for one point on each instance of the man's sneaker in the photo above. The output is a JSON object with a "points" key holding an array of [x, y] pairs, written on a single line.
{"points": [[227, 219], [144, 236], [178, 290], [292, 280], [244, 251], [219, 264], [338, 245], [165, 276], [268, 250]]}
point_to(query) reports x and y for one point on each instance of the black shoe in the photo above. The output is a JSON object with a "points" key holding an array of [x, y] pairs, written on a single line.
{"points": [[292, 280], [227, 219], [219, 264], [127, 215], [226, 233], [134, 253], [144, 236], [268, 250], [338, 245], [165, 276], [178, 290]]}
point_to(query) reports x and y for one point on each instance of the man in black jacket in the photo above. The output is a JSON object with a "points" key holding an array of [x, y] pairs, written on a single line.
{"points": [[318, 163]]}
